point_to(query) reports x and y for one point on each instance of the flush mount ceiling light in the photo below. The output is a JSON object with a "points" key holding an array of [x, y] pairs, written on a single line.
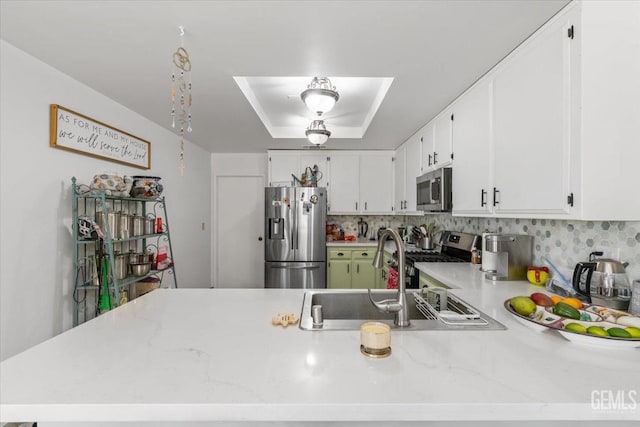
{"points": [[317, 132], [320, 96]]}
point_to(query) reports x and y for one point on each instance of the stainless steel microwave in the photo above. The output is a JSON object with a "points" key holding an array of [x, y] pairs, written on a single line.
{"points": [[434, 191]]}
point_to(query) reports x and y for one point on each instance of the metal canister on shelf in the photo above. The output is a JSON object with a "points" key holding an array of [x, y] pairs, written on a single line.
{"points": [[137, 225], [125, 225], [121, 266], [112, 219], [150, 224]]}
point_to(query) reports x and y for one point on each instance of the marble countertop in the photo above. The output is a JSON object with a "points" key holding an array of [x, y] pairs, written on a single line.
{"points": [[195, 355]]}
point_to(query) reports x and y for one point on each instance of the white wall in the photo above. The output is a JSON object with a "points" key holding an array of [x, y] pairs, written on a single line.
{"points": [[233, 165], [35, 203]]}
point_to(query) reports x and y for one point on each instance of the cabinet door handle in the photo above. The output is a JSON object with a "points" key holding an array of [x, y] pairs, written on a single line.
{"points": [[356, 205], [340, 254], [435, 158], [365, 254], [357, 268], [365, 206], [347, 268], [495, 193], [429, 159], [482, 200]]}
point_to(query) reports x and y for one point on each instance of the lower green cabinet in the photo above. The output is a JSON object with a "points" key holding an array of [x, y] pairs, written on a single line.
{"points": [[363, 275], [352, 268], [339, 274]]}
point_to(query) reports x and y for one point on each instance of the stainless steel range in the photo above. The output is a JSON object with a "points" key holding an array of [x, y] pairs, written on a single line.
{"points": [[455, 246]]}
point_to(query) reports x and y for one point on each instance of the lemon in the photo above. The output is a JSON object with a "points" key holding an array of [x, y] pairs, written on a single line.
{"points": [[575, 327], [523, 305], [633, 331], [597, 330]]}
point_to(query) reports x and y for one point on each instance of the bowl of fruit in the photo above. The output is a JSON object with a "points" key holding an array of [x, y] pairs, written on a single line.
{"points": [[576, 321]]}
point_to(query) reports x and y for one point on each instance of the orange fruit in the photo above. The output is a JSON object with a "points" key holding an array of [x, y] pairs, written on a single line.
{"points": [[573, 302], [556, 299]]}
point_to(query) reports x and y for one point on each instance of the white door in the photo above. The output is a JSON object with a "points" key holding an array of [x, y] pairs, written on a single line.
{"points": [[239, 243]]}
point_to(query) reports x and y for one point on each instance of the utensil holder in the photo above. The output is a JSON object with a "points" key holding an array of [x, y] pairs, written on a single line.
{"points": [[427, 243]]}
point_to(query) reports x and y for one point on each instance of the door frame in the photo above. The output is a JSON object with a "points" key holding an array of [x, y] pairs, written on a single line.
{"points": [[214, 220]]}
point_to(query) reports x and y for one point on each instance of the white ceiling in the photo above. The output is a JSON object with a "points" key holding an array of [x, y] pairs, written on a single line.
{"points": [[432, 49]]}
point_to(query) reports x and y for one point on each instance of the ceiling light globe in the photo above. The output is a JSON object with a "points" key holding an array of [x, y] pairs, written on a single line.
{"points": [[320, 96], [317, 133], [318, 101]]}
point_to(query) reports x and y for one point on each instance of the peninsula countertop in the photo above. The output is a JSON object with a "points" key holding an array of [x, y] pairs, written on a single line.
{"points": [[196, 355]]}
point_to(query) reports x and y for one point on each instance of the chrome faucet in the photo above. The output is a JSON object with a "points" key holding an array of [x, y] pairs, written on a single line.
{"points": [[399, 305]]}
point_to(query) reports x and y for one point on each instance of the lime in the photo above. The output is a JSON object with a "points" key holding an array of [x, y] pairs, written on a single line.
{"points": [[633, 331], [597, 330], [523, 305], [618, 332], [575, 327]]}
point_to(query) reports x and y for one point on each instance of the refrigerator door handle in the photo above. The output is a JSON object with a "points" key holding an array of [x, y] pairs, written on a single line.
{"points": [[313, 267], [294, 230]]}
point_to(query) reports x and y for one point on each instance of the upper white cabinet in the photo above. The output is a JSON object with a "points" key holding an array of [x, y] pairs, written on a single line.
{"points": [[376, 182], [361, 182], [399, 171], [532, 122], [436, 141], [552, 131], [473, 167], [609, 123], [284, 163], [408, 167], [442, 143], [344, 187]]}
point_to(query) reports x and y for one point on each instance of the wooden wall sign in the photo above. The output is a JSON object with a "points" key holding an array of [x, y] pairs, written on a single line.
{"points": [[76, 132]]}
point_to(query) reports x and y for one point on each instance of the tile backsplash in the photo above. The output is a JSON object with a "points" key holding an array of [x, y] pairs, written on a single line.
{"points": [[564, 242]]}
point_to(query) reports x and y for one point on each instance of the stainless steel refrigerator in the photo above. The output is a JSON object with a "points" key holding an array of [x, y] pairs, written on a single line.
{"points": [[295, 237]]}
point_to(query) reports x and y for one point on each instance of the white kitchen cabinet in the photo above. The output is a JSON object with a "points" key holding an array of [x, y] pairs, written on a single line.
{"points": [[610, 111], [281, 165], [399, 178], [436, 141], [284, 163], [344, 190], [473, 167], [408, 166], [376, 183], [413, 170], [531, 124], [427, 141], [442, 143], [361, 182]]}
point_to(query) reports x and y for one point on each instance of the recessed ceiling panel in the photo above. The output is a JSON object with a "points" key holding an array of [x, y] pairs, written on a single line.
{"points": [[276, 101]]}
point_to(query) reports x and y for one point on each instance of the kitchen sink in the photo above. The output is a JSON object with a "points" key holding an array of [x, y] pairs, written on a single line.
{"points": [[348, 309]]}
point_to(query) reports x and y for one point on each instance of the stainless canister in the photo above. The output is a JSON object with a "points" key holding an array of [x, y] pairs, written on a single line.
{"points": [[112, 220], [137, 225], [149, 225], [121, 266], [125, 225]]}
